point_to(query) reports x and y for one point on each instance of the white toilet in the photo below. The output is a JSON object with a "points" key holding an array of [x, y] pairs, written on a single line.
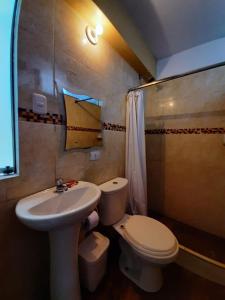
{"points": [[146, 244]]}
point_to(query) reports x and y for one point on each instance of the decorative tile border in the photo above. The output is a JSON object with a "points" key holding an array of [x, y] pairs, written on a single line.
{"points": [[113, 127], [76, 128], [105, 126], [30, 116], [215, 130]]}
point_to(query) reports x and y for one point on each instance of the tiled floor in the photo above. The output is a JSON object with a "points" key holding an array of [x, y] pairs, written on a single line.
{"points": [[179, 284], [197, 240]]}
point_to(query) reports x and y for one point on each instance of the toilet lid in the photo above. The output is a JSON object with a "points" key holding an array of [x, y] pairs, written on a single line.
{"points": [[149, 235]]}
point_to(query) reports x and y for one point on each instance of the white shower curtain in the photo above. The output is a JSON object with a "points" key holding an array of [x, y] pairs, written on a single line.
{"points": [[135, 153]]}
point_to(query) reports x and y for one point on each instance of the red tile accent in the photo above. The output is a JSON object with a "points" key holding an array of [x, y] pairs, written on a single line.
{"points": [[76, 128], [30, 116], [216, 130]]}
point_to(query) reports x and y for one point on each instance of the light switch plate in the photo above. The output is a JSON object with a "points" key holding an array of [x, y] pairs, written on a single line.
{"points": [[39, 103]]}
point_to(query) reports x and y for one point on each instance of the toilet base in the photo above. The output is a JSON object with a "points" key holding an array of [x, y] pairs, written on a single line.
{"points": [[144, 274]]}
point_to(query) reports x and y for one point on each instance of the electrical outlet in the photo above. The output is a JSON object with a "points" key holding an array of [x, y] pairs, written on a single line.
{"points": [[95, 155]]}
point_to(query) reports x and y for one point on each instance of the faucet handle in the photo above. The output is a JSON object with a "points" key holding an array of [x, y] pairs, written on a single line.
{"points": [[60, 186], [59, 182]]}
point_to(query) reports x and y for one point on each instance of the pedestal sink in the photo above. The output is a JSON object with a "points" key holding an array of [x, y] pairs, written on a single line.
{"points": [[61, 215]]}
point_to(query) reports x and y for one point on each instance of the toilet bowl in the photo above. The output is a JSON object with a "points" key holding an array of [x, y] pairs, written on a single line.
{"points": [[146, 244]]}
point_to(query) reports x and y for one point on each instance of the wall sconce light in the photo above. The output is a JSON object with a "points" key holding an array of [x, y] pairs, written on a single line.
{"points": [[93, 33]]}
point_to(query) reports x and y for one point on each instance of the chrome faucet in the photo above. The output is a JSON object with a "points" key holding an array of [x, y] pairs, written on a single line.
{"points": [[60, 186]]}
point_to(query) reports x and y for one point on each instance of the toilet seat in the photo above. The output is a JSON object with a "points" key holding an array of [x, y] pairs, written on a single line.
{"points": [[150, 237]]}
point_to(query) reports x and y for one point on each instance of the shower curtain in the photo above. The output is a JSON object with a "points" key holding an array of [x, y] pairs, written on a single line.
{"points": [[135, 153]]}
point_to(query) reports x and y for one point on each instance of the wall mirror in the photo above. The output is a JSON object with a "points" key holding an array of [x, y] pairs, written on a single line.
{"points": [[83, 121]]}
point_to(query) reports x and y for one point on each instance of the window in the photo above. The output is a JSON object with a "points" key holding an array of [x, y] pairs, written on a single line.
{"points": [[8, 88]]}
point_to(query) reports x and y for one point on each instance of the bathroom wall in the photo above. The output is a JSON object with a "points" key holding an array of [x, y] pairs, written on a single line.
{"points": [[52, 55], [185, 121]]}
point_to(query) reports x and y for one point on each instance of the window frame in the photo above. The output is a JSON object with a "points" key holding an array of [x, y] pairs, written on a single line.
{"points": [[14, 91]]}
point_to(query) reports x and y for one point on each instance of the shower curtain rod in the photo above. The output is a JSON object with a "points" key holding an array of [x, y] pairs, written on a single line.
{"points": [[174, 77]]}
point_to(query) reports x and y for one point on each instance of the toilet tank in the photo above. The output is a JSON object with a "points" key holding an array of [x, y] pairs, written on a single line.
{"points": [[113, 200]]}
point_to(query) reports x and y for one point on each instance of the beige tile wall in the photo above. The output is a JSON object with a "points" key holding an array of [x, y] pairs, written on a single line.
{"points": [[186, 173], [50, 48]]}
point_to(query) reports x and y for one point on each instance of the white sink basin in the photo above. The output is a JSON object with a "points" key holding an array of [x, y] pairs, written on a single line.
{"points": [[48, 210], [61, 215]]}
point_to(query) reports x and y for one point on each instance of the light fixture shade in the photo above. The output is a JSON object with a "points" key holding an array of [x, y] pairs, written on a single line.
{"points": [[91, 35]]}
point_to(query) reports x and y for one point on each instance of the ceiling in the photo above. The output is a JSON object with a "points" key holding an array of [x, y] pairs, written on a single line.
{"points": [[172, 26]]}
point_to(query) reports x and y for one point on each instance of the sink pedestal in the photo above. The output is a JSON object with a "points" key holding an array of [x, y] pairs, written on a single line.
{"points": [[64, 263], [61, 215]]}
